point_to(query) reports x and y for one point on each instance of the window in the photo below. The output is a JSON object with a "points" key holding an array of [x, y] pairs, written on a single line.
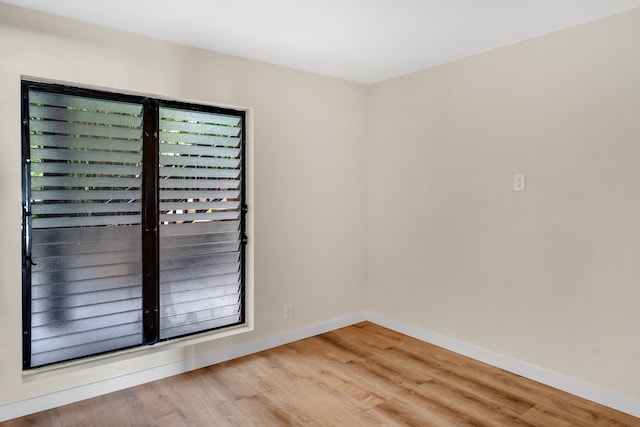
{"points": [[133, 227]]}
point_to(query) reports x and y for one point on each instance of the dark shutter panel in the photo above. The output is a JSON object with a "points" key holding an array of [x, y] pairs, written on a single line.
{"points": [[200, 221], [85, 162]]}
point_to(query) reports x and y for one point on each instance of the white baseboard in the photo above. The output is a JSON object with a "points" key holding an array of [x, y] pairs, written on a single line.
{"points": [[76, 394], [596, 394], [570, 385]]}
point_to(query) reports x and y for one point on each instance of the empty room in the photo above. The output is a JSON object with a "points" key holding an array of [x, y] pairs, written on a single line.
{"points": [[338, 212]]}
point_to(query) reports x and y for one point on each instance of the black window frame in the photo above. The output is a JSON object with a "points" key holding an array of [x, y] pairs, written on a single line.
{"points": [[150, 209]]}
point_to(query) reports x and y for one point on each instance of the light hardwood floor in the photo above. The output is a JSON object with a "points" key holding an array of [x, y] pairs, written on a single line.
{"points": [[361, 375]]}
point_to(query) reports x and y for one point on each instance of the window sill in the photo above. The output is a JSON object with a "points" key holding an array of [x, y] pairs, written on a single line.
{"points": [[112, 361]]}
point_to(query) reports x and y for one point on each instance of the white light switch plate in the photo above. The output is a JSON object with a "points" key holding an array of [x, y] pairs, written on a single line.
{"points": [[518, 182]]}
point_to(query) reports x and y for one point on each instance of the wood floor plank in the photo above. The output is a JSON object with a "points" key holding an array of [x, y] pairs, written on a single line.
{"points": [[338, 381], [361, 375], [460, 381], [298, 395]]}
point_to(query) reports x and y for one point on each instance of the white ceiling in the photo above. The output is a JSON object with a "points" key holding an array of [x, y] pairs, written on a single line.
{"points": [[364, 41]]}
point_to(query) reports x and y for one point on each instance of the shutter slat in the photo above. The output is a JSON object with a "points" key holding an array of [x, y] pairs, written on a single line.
{"points": [[199, 229], [82, 129], [199, 272], [199, 206], [174, 138], [193, 314], [83, 181], [85, 273], [167, 160], [203, 307], [221, 281], [86, 169], [80, 339], [67, 313], [63, 330], [184, 172], [127, 195], [80, 143], [44, 290], [88, 298], [170, 150], [199, 117], [203, 272], [209, 194], [53, 263], [76, 208], [174, 127], [79, 247], [170, 127], [206, 239], [94, 156], [200, 249], [170, 172], [83, 103], [184, 328], [87, 348], [181, 296], [199, 184], [213, 216], [86, 221], [212, 259], [66, 114], [90, 235]]}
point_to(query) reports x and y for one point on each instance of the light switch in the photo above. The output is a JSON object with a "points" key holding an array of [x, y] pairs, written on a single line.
{"points": [[518, 182]]}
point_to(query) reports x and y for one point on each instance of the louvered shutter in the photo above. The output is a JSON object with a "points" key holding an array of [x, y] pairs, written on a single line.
{"points": [[85, 163], [133, 221], [200, 217]]}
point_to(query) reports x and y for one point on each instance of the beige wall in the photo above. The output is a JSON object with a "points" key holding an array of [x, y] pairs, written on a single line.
{"points": [[400, 192], [309, 175], [549, 276]]}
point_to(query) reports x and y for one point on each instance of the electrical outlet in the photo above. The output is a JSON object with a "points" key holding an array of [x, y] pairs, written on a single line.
{"points": [[287, 311]]}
